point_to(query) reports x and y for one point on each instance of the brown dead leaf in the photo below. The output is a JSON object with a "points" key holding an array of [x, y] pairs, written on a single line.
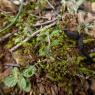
{"points": [[93, 6], [48, 16], [81, 17], [70, 21], [90, 18], [87, 5], [7, 5], [5, 74], [41, 88], [93, 85], [93, 33], [52, 91]]}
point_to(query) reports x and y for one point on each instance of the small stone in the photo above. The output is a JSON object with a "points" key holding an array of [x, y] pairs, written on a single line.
{"points": [[16, 2]]}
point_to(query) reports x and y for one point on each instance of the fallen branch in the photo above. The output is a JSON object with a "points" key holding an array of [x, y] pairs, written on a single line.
{"points": [[34, 34]]}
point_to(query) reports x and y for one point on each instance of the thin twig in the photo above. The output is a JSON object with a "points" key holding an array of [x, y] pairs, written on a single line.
{"points": [[90, 20], [6, 36], [48, 39], [53, 9], [39, 17], [45, 23], [31, 36], [50, 5], [12, 65]]}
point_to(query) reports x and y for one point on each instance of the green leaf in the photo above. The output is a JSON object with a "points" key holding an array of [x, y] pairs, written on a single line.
{"points": [[22, 82], [55, 33], [55, 43], [28, 86], [42, 51], [18, 40], [15, 72], [80, 2], [30, 71], [93, 0], [10, 81]]}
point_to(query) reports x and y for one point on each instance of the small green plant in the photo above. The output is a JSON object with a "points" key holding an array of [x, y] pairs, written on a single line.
{"points": [[85, 27], [20, 78], [72, 5], [93, 0]]}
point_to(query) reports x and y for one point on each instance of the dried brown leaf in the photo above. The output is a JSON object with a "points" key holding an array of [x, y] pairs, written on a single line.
{"points": [[7, 5], [93, 6]]}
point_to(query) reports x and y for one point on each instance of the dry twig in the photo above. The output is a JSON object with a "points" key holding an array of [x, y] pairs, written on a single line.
{"points": [[6, 36], [34, 34], [45, 23]]}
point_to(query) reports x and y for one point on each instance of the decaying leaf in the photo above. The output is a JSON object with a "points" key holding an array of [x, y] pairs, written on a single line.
{"points": [[81, 17], [5, 74], [93, 7], [7, 5]]}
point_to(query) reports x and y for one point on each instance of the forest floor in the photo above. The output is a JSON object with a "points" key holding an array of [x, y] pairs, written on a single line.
{"points": [[36, 55]]}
